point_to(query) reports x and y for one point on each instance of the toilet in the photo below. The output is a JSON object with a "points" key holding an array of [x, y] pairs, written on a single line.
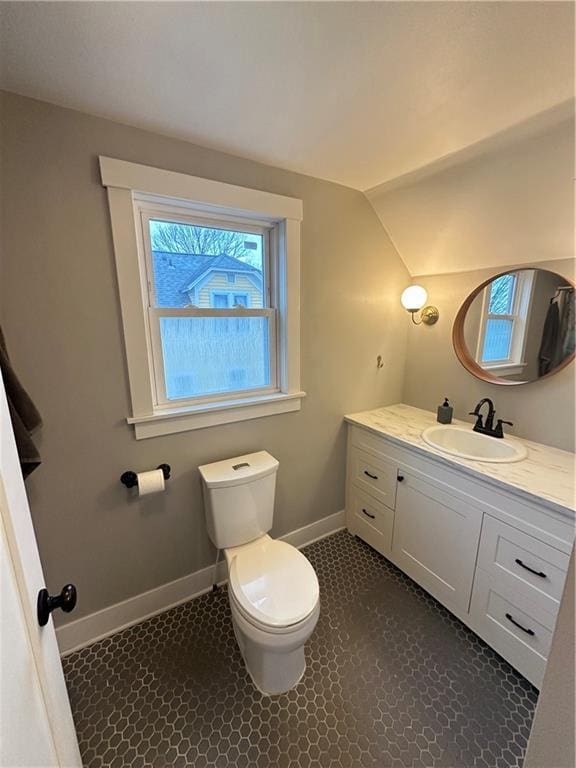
{"points": [[272, 587]]}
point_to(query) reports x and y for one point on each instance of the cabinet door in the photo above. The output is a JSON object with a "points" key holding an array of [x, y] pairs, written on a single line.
{"points": [[435, 540]]}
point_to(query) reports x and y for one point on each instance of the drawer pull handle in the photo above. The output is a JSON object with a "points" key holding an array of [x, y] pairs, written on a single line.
{"points": [[528, 631], [527, 567], [374, 477], [400, 478], [368, 514]]}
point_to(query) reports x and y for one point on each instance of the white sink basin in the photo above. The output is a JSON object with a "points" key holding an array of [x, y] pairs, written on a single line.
{"points": [[466, 444]]}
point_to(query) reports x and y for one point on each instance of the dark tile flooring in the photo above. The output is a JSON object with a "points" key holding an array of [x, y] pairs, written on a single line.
{"points": [[392, 680]]}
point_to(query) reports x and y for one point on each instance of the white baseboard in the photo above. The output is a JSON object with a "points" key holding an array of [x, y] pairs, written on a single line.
{"points": [[82, 632]]}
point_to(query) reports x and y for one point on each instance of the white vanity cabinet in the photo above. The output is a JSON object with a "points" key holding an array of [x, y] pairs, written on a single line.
{"points": [[494, 558]]}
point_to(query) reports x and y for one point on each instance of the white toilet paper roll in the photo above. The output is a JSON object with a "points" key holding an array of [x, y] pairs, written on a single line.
{"points": [[150, 482]]}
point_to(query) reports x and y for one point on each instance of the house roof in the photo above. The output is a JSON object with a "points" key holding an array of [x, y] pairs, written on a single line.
{"points": [[175, 272]]}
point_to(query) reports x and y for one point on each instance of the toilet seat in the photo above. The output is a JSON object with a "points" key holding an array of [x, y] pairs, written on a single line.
{"points": [[272, 583], [268, 629]]}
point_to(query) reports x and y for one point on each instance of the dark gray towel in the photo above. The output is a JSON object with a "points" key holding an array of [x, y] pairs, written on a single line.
{"points": [[566, 337], [23, 412], [549, 342]]}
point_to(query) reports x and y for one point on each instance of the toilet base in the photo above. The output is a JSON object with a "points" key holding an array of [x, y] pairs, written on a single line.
{"points": [[275, 660], [271, 675]]}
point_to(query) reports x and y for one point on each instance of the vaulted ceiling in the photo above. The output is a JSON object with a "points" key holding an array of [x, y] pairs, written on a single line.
{"points": [[357, 93]]}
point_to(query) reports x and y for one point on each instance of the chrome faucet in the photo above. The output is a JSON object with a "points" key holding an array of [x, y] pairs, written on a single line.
{"points": [[488, 428]]}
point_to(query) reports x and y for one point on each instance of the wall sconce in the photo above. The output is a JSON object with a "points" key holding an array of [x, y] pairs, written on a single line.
{"points": [[413, 299]]}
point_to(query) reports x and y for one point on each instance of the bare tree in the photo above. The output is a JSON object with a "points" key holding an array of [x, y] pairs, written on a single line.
{"points": [[185, 238]]}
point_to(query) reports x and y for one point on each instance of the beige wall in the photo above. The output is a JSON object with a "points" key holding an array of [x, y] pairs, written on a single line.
{"points": [[541, 410], [551, 743], [507, 200], [62, 321]]}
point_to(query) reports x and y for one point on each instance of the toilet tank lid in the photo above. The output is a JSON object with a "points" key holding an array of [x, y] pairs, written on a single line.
{"points": [[238, 470]]}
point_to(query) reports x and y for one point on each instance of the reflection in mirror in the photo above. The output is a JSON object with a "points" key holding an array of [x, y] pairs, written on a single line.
{"points": [[518, 327]]}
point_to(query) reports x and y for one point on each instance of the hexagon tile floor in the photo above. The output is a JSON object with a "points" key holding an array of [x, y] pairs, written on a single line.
{"points": [[392, 679]]}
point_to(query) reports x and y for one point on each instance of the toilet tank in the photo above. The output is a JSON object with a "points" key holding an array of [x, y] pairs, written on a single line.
{"points": [[239, 498]]}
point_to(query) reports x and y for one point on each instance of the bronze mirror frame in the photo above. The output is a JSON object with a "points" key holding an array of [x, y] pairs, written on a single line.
{"points": [[459, 342]]}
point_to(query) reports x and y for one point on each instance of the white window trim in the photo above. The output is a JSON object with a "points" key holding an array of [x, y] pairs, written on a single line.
{"points": [[505, 369], [125, 181], [523, 293]]}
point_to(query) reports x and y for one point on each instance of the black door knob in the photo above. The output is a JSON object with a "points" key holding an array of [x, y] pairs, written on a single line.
{"points": [[47, 603]]}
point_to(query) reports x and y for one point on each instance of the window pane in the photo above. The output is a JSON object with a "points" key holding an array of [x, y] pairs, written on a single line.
{"points": [[220, 301], [502, 295], [213, 355], [497, 340], [240, 299], [192, 263]]}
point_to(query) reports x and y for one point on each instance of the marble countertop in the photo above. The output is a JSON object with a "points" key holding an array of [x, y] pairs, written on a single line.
{"points": [[546, 474]]}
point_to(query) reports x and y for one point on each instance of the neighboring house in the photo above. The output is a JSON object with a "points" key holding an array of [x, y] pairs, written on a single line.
{"points": [[206, 281]]}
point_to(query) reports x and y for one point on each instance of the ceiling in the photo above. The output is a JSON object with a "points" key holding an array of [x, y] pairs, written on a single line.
{"points": [[357, 93]]}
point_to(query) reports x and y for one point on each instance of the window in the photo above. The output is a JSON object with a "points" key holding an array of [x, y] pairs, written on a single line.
{"points": [[225, 300], [499, 319], [205, 344], [212, 335], [220, 300], [505, 310]]}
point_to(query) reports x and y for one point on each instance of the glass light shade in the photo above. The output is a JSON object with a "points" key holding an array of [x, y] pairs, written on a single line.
{"points": [[413, 298]]}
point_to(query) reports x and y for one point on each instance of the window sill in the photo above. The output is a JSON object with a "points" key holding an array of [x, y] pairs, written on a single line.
{"points": [[170, 421], [504, 368]]}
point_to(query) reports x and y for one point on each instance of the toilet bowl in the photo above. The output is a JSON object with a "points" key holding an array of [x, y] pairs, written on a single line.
{"points": [[274, 600], [273, 589]]}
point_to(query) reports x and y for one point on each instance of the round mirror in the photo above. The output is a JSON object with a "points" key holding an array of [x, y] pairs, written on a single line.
{"points": [[516, 327]]}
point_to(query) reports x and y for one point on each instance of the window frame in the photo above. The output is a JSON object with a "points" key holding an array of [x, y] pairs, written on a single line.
{"points": [[135, 190], [521, 303]]}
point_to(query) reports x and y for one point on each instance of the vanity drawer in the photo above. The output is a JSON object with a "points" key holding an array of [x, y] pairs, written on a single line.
{"points": [[523, 564], [371, 520], [366, 441], [519, 630], [374, 476]]}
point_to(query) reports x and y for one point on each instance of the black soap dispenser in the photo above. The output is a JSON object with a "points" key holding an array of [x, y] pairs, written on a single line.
{"points": [[444, 412]]}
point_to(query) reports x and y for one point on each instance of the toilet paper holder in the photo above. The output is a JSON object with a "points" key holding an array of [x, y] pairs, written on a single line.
{"points": [[130, 478]]}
